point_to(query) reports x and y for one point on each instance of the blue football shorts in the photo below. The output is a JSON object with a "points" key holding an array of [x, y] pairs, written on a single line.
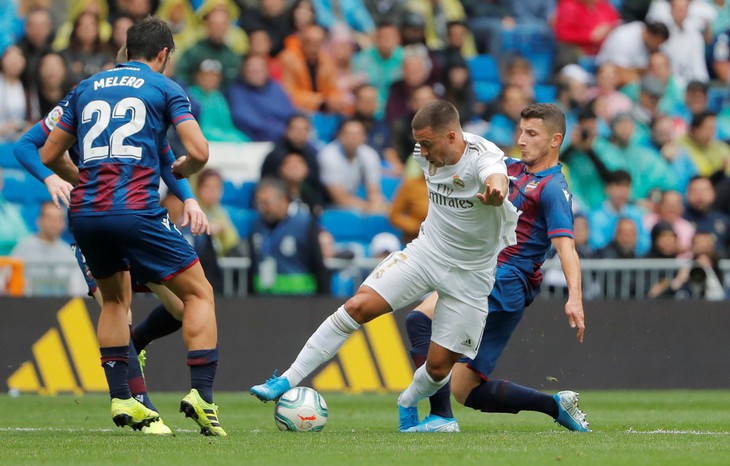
{"points": [[147, 244]]}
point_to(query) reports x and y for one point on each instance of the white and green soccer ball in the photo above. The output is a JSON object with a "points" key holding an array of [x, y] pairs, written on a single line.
{"points": [[301, 409]]}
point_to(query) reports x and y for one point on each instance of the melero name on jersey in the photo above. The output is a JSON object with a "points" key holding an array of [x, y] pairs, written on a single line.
{"points": [[112, 81]]}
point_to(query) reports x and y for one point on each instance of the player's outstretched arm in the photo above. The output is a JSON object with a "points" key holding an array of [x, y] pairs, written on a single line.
{"points": [[196, 146], [570, 263], [495, 189], [53, 155]]}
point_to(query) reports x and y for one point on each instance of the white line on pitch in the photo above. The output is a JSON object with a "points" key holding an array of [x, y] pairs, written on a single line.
{"points": [[675, 432]]}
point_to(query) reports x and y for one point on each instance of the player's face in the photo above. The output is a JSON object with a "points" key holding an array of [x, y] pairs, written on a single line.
{"points": [[534, 142], [436, 147]]}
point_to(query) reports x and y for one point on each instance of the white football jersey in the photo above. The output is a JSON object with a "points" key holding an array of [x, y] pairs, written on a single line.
{"points": [[460, 229]]}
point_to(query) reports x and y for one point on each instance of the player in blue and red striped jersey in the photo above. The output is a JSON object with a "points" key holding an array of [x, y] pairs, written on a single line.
{"points": [[120, 117], [165, 318], [539, 191]]}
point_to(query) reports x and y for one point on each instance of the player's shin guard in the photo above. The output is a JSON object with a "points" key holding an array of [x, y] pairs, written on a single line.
{"points": [[157, 324], [115, 360], [418, 326], [203, 365], [503, 396], [324, 343], [423, 386]]}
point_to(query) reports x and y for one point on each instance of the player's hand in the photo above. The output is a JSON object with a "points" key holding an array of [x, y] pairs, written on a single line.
{"points": [[576, 319], [59, 190], [194, 216], [181, 169], [491, 196]]}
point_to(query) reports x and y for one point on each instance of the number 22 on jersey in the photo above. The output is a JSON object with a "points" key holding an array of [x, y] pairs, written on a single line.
{"points": [[104, 115]]}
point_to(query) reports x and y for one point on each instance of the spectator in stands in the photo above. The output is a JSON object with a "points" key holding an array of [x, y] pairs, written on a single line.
{"points": [[603, 220], [582, 234], [379, 135], [581, 26], [137, 10], [573, 83], [215, 115], [51, 86], [86, 54], [14, 111], [215, 45], [385, 10], [534, 16], [672, 96], [12, 227], [294, 172], [696, 101], [402, 133], [382, 62], [383, 244], [436, 15], [97, 8], [702, 279], [486, 20], [648, 172], [416, 72], [719, 57], [624, 242], [286, 258], [410, 206], [259, 43], [518, 72], [347, 165], [35, 43], [629, 46], [670, 209], [271, 16], [302, 15], [180, 17], [685, 46], [663, 141], [309, 75], [353, 14], [294, 139], [455, 51], [51, 268], [412, 29], [210, 192], [699, 14], [615, 102], [260, 108], [342, 47], [459, 90], [699, 212], [502, 125], [120, 24], [710, 156], [664, 243], [651, 90]]}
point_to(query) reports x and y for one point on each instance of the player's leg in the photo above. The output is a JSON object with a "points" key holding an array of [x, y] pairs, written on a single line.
{"points": [[395, 282], [418, 327], [163, 320]]}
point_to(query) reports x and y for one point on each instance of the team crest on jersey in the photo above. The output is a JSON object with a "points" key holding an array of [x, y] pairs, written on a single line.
{"points": [[379, 273], [458, 183], [531, 185], [432, 169], [53, 117]]}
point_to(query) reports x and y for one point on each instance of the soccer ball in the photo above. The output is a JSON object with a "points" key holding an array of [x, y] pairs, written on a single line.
{"points": [[301, 409]]}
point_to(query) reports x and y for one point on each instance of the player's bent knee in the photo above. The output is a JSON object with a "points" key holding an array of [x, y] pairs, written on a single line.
{"points": [[365, 306], [438, 372]]}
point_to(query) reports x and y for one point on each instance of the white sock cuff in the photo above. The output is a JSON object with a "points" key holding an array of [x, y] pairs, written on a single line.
{"points": [[343, 322], [440, 383]]}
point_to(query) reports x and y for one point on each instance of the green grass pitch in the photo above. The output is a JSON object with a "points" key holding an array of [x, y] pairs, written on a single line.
{"points": [[629, 428]]}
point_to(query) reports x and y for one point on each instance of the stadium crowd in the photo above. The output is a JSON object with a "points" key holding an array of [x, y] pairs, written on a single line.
{"points": [[334, 84]]}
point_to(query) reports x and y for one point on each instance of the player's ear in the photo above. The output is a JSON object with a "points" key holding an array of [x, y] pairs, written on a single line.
{"points": [[557, 140]]}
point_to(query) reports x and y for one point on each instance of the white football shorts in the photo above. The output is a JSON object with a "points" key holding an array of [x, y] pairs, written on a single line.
{"points": [[461, 312]]}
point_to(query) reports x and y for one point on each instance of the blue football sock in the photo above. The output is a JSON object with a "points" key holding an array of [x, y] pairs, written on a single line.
{"points": [[503, 396], [114, 360], [418, 326], [203, 364], [137, 385], [157, 324]]}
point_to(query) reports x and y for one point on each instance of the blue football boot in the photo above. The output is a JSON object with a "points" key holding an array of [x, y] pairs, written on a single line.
{"points": [[434, 423], [407, 417], [272, 389], [570, 415]]}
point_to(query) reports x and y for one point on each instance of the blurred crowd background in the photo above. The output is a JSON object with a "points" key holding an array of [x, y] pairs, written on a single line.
{"points": [[330, 86]]}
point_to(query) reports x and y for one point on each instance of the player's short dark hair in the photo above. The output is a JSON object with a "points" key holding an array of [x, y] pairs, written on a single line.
{"points": [[552, 117], [438, 115], [618, 177], [657, 28], [700, 117], [147, 38]]}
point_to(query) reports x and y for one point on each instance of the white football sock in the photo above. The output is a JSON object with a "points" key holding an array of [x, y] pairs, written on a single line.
{"points": [[324, 343], [422, 387]]}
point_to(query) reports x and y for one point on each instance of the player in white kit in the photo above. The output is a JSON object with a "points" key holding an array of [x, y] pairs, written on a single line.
{"points": [[469, 221]]}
